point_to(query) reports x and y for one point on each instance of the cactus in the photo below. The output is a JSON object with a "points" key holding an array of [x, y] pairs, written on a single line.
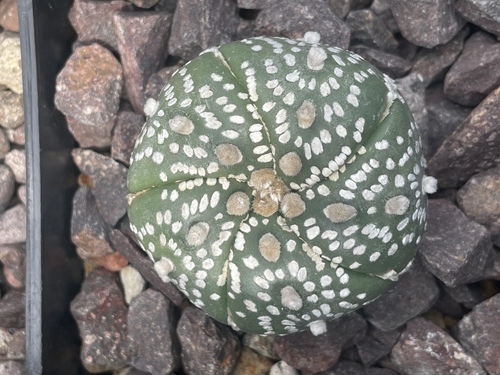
{"points": [[278, 183]]}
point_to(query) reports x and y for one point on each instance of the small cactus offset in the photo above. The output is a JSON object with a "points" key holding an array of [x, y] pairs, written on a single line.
{"points": [[278, 183]]}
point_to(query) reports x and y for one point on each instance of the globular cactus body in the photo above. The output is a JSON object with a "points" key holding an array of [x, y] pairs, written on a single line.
{"points": [[278, 184]]}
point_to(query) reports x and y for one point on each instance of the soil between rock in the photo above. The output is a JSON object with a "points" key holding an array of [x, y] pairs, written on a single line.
{"points": [[458, 262]]}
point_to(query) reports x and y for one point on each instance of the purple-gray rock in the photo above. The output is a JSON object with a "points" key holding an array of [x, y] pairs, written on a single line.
{"points": [[16, 161], [127, 128], [369, 30], [293, 18], [93, 20], [282, 368], [12, 257], [444, 116], [4, 144], [16, 136], [88, 89], [472, 148], [109, 182], [484, 13], [424, 348], [492, 271], [101, 315], [158, 80], [376, 345], [142, 43], [427, 23], [414, 293], [431, 64], [9, 18], [89, 136], [312, 354], [12, 306], [446, 305], [144, 3], [454, 248], [479, 199], [199, 24], [7, 186], [479, 334], [12, 368], [12, 344], [208, 347], [467, 295], [476, 72], [13, 225], [151, 330], [141, 262], [382, 8], [390, 64], [11, 109], [253, 4], [89, 231]]}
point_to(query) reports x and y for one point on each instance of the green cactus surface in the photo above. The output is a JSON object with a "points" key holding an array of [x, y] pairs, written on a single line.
{"points": [[278, 183]]}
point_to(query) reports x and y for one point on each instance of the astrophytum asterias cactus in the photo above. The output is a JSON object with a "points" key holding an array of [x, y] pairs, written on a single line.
{"points": [[278, 183]]}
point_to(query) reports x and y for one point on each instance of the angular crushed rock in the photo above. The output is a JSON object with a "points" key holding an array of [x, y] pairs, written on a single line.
{"points": [[12, 368], [454, 248], [431, 64], [293, 18], [484, 13], [369, 30], [132, 282], [11, 109], [282, 368], [109, 182], [88, 90], [89, 231], [199, 24], [101, 315], [479, 199], [476, 72], [10, 61], [151, 324], [158, 80], [13, 225], [127, 128], [93, 20], [4, 144], [424, 348], [113, 262], [311, 354], [12, 309], [478, 332], [208, 347], [144, 3], [12, 344], [414, 293], [12, 257], [9, 18], [7, 186], [142, 44], [16, 136], [393, 65], [251, 362], [444, 117], [16, 161], [472, 148], [427, 24], [261, 344], [253, 4], [376, 345]]}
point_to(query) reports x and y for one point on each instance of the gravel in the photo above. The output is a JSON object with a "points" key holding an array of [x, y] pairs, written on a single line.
{"points": [[437, 319]]}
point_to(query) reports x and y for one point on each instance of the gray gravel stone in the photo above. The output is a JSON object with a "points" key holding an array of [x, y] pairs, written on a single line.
{"points": [[4, 144], [382, 8], [414, 293], [109, 183], [282, 368], [199, 24], [253, 4], [261, 344], [368, 29], [12, 368], [476, 72], [427, 24], [12, 309], [208, 347], [127, 129], [424, 348], [16, 136], [142, 44], [479, 331], [13, 225], [484, 13], [390, 64], [12, 257], [89, 231], [7, 186], [293, 18], [101, 315], [454, 248], [132, 282], [12, 344], [10, 61], [376, 345], [88, 88], [151, 330], [444, 117], [472, 148], [9, 19], [158, 80], [11, 109], [16, 161], [144, 3], [93, 20]]}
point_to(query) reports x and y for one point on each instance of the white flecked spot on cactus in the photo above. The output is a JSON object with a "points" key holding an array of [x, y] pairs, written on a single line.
{"points": [[290, 298], [306, 114], [316, 58], [290, 164], [397, 205], [238, 204], [163, 268], [339, 212], [150, 107], [292, 205], [228, 154], [269, 247], [181, 125]]}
